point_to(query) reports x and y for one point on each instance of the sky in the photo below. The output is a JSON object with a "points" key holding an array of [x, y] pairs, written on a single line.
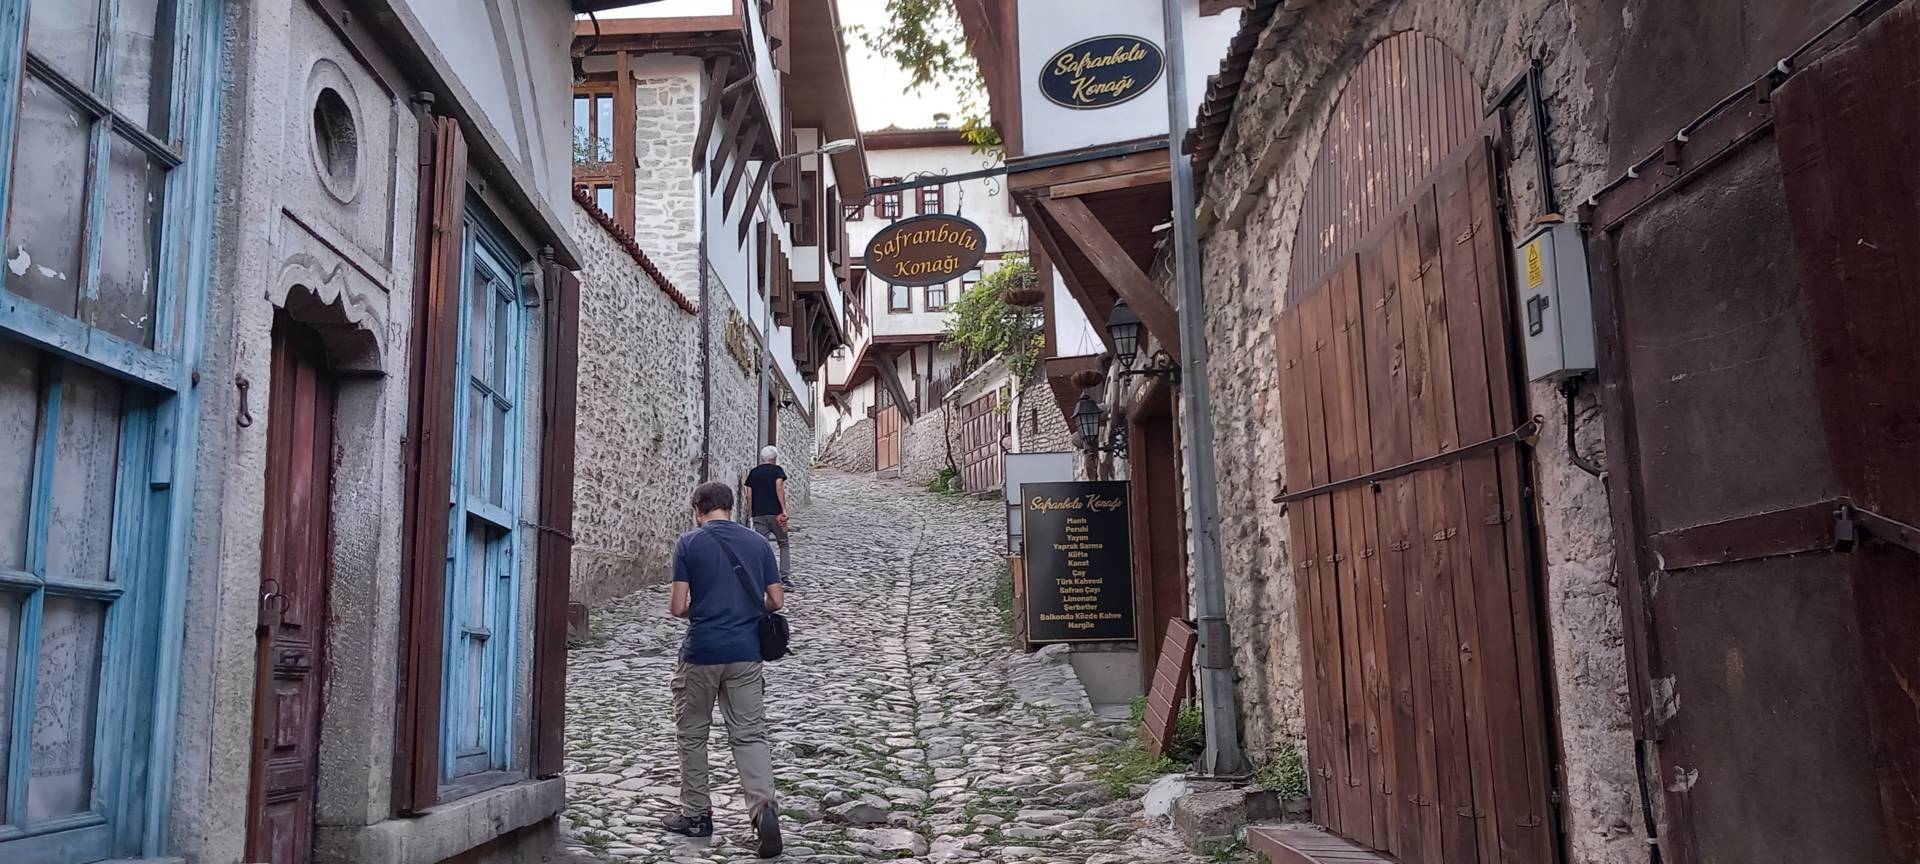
{"points": [[878, 83]]}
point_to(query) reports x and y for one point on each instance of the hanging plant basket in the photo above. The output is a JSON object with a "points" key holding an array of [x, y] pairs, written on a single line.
{"points": [[1023, 290]]}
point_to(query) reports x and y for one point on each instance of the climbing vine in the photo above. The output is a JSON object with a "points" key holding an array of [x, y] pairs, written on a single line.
{"points": [[983, 325]]}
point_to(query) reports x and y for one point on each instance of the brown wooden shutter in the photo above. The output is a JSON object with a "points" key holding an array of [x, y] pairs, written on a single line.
{"points": [[555, 571], [443, 183]]}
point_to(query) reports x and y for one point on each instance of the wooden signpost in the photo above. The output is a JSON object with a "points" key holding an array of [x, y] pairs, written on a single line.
{"points": [[1079, 562]]}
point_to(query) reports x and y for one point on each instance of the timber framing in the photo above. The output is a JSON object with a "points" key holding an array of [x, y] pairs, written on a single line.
{"points": [[1094, 220]]}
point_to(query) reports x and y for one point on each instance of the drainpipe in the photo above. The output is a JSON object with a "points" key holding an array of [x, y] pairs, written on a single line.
{"points": [[1223, 756], [706, 341]]}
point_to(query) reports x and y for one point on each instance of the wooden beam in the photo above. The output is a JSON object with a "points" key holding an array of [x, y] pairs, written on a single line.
{"points": [[759, 186], [729, 140], [624, 142], [1112, 260], [1150, 177], [710, 109], [742, 156], [1046, 231], [1129, 163]]}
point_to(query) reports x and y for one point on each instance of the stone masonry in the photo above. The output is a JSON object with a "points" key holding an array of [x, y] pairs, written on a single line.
{"points": [[633, 402], [666, 200], [1250, 213]]}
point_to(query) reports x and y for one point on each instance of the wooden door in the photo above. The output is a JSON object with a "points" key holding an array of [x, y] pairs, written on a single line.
{"points": [[296, 551], [982, 429], [1760, 361], [886, 437], [1159, 522], [1418, 616]]}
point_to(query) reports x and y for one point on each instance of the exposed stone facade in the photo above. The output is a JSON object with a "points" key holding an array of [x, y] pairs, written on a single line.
{"points": [[640, 416], [849, 448], [1254, 196], [666, 199], [1041, 427], [628, 510], [924, 444]]}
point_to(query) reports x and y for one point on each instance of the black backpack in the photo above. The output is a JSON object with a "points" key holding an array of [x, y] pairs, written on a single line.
{"points": [[775, 632]]}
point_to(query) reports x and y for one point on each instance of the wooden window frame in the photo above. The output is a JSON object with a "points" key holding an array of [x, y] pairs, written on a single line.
{"points": [[137, 695], [463, 773], [806, 229], [931, 304], [894, 292], [618, 171], [888, 205], [853, 212], [931, 200]]}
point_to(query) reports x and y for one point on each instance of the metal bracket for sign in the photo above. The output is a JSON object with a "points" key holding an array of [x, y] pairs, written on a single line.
{"points": [[1526, 432], [1849, 522], [1032, 164]]}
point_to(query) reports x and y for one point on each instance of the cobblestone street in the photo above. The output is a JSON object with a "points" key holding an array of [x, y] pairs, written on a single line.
{"points": [[906, 726]]}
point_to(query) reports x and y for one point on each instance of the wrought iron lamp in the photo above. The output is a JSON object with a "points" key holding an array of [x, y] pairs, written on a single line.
{"points": [[1087, 420], [1124, 327]]}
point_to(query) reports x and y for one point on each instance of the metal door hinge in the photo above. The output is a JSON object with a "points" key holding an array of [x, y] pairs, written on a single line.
{"points": [[1850, 522]]}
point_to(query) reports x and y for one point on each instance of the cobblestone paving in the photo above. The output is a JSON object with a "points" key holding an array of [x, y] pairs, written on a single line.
{"points": [[905, 727]]}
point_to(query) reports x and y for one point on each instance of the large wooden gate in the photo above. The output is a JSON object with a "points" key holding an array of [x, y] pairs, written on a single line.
{"points": [[1402, 416], [1417, 614], [1761, 362]]}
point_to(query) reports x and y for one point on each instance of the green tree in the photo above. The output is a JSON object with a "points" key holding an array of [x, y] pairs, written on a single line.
{"points": [[983, 325], [924, 38]]}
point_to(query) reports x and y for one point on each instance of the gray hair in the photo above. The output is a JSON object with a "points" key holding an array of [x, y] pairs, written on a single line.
{"points": [[769, 454]]}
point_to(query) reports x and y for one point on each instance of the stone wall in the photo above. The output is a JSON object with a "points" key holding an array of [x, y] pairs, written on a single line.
{"points": [[924, 443], [666, 193], [796, 448], [849, 448], [639, 428], [1042, 428], [1253, 200]]}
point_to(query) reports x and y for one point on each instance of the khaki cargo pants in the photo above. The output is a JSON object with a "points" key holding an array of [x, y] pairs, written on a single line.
{"points": [[740, 688]]}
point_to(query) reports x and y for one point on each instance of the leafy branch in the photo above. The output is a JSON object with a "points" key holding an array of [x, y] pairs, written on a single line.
{"points": [[983, 325], [925, 38]]}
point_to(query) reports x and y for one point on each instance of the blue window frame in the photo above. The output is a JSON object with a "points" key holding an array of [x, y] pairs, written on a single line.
{"points": [[106, 125], [483, 567]]}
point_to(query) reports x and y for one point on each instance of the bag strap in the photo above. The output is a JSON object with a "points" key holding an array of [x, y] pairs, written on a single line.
{"points": [[740, 569]]}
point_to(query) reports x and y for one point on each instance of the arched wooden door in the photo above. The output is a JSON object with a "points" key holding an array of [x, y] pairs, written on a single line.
{"points": [[1402, 415]]}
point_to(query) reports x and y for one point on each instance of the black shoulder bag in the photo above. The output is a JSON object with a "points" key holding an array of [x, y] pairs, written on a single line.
{"points": [[775, 633]]}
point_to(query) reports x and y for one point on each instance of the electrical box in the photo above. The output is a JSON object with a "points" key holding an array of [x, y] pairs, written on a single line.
{"points": [[1554, 303]]}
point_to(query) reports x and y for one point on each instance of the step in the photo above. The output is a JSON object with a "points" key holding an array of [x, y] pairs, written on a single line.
{"points": [[1305, 844]]}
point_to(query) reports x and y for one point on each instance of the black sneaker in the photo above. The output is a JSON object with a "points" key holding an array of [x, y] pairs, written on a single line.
{"points": [[766, 826], [690, 826], [787, 583]]}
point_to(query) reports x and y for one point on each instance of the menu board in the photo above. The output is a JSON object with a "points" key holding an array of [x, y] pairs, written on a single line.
{"points": [[1079, 562]]}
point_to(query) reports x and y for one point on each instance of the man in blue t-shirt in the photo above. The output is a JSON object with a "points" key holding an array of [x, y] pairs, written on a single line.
{"points": [[720, 660]]}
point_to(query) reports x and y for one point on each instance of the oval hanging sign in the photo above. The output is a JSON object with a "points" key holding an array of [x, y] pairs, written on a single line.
{"points": [[1101, 72], [926, 250]]}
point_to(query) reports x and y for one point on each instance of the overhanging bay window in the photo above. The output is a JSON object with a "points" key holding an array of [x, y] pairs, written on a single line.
{"points": [[103, 117], [484, 543]]}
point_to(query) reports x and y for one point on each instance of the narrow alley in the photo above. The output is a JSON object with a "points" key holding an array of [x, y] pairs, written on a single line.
{"points": [[905, 725]]}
